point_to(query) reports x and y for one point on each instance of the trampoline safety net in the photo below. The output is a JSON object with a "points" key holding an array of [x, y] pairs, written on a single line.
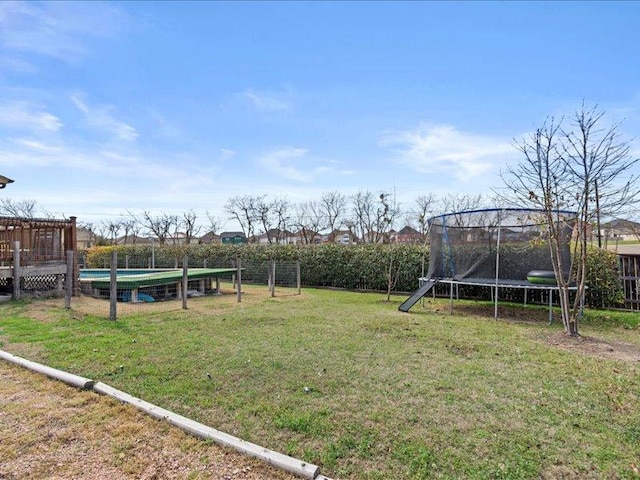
{"points": [[469, 245]]}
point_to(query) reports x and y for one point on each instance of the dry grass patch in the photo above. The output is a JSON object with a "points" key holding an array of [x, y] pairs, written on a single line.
{"points": [[50, 430]]}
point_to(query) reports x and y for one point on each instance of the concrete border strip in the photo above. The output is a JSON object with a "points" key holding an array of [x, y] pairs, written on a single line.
{"points": [[290, 464], [69, 378], [279, 460]]}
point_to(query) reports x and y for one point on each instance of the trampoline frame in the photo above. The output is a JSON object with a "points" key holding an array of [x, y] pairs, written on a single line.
{"points": [[495, 286]]}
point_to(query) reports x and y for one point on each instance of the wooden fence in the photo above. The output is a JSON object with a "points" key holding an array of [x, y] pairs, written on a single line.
{"points": [[630, 277]]}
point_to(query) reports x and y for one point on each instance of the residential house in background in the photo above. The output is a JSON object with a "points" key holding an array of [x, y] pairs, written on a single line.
{"points": [[407, 236], [135, 240], [342, 237], [306, 236], [85, 239], [209, 237], [233, 238], [277, 236], [620, 230]]}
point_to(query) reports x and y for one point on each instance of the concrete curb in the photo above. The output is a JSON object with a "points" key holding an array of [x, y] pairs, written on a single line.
{"points": [[278, 460], [290, 464], [69, 378]]}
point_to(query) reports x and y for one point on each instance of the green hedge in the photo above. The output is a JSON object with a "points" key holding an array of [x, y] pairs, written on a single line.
{"points": [[333, 265], [603, 279]]}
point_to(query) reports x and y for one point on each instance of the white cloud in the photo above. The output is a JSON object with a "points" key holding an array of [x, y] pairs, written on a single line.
{"points": [[56, 29], [294, 163], [269, 101], [38, 146], [24, 115], [440, 148], [102, 119], [226, 154], [97, 164], [279, 162]]}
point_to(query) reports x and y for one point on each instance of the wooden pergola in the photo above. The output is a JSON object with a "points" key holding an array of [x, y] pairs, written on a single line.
{"points": [[41, 240], [42, 246]]}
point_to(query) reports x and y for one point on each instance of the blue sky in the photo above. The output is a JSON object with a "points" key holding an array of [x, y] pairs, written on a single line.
{"points": [[113, 107]]}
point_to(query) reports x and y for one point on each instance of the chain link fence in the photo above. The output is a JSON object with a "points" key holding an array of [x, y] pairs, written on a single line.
{"points": [[126, 285]]}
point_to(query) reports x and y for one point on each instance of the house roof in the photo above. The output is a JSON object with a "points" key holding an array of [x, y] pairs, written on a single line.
{"points": [[307, 231], [232, 235], [130, 239], [274, 232], [407, 230], [622, 224], [209, 237]]}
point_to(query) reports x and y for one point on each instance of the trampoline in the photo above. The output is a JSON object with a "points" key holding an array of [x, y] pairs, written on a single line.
{"points": [[494, 248]]}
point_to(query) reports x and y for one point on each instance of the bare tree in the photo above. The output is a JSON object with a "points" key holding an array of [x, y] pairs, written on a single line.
{"points": [[460, 202], [102, 234], [18, 209], [281, 208], [560, 170], [112, 228], [596, 158], [386, 214], [131, 228], [362, 221], [373, 217], [309, 220], [243, 209], [214, 223], [264, 214], [334, 206], [160, 226], [191, 227], [94, 238], [425, 211]]}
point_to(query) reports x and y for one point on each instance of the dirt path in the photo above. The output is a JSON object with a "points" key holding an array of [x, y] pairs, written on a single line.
{"points": [[54, 431]]}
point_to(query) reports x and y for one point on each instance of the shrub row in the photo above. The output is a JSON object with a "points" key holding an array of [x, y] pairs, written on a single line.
{"points": [[331, 265]]}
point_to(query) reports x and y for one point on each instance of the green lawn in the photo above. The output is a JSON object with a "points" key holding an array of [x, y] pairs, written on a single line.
{"points": [[345, 381]]}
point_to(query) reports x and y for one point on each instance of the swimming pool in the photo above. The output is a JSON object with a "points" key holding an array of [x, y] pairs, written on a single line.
{"points": [[130, 280], [102, 273]]}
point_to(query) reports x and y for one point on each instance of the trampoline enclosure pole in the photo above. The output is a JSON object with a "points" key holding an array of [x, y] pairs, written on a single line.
{"points": [[495, 307]]}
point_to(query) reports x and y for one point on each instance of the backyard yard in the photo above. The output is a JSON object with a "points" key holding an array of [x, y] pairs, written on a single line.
{"points": [[345, 381]]}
